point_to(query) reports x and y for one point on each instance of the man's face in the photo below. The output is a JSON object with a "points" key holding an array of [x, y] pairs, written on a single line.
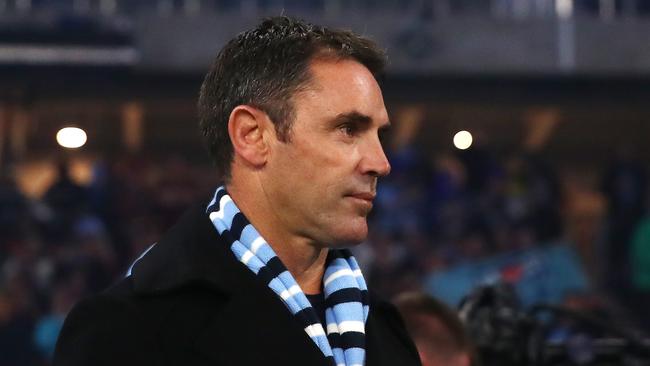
{"points": [[322, 182]]}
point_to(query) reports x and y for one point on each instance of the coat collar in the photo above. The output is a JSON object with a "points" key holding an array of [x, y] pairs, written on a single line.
{"points": [[190, 252]]}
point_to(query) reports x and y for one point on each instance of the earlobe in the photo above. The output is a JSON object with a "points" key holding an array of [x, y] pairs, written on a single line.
{"points": [[246, 127]]}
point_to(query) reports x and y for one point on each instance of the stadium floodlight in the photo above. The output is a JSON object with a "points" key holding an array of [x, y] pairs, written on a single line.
{"points": [[71, 137], [463, 140]]}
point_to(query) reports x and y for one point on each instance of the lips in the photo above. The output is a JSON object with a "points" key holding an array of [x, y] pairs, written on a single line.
{"points": [[366, 196]]}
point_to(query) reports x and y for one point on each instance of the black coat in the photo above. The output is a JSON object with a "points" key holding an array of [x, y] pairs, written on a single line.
{"points": [[189, 301]]}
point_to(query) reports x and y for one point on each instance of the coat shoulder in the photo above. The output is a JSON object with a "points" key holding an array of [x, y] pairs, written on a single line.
{"points": [[388, 342], [107, 329]]}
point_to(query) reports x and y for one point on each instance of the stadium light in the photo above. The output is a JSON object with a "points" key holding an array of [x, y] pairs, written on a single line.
{"points": [[71, 137], [564, 8], [463, 140]]}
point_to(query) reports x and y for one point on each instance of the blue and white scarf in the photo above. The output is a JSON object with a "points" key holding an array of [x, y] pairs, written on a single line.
{"points": [[346, 294]]}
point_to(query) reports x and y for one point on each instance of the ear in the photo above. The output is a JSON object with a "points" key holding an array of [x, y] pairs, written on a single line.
{"points": [[246, 128]]}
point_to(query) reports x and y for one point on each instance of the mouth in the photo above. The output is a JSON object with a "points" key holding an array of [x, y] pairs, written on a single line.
{"points": [[364, 196]]}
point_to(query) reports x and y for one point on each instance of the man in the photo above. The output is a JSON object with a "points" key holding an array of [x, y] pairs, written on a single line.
{"points": [[437, 331], [292, 114]]}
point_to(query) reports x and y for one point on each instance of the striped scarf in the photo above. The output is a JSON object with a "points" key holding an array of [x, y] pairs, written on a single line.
{"points": [[346, 294]]}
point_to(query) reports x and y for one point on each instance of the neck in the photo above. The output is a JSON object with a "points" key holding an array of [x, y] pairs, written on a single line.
{"points": [[307, 267], [303, 258]]}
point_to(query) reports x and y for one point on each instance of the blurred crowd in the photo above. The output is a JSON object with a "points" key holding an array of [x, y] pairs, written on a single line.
{"points": [[76, 240], [461, 206], [433, 212]]}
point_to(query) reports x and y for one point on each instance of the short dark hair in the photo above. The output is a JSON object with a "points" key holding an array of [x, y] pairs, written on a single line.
{"points": [[264, 67], [448, 339]]}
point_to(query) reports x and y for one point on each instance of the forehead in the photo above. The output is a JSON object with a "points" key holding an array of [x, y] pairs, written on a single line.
{"points": [[342, 86]]}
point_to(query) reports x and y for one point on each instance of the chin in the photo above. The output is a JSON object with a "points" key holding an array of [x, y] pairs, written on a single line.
{"points": [[351, 235]]}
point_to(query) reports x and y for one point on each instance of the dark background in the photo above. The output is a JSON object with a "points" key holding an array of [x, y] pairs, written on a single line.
{"points": [[554, 93]]}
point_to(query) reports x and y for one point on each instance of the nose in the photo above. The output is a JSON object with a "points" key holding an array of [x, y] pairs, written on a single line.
{"points": [[374, 161]]}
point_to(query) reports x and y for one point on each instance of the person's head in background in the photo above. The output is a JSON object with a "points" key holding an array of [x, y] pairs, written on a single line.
{"points": [[436, 330]]}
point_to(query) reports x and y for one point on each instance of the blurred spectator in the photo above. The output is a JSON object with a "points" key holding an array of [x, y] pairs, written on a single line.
{"points": [[13, 210], [436, 330], [176, 189], [446, 197], [546, 200], [47, 328], [65, 198], [388, 257], [533, 198], [402, 191], [640, 260], [480, 164], [625, 187], [91, 253], [16, 324], [106, 195]]}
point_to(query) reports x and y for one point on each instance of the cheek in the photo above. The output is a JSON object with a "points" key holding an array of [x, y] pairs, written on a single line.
{"points": [[317, 169], [318, 161]]}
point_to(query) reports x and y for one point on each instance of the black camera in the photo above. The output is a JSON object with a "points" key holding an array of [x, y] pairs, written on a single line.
{"points": [[505, 334]]}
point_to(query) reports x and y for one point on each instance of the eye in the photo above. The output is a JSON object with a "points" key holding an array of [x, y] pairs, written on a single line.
{"points": [[348, 129]]}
